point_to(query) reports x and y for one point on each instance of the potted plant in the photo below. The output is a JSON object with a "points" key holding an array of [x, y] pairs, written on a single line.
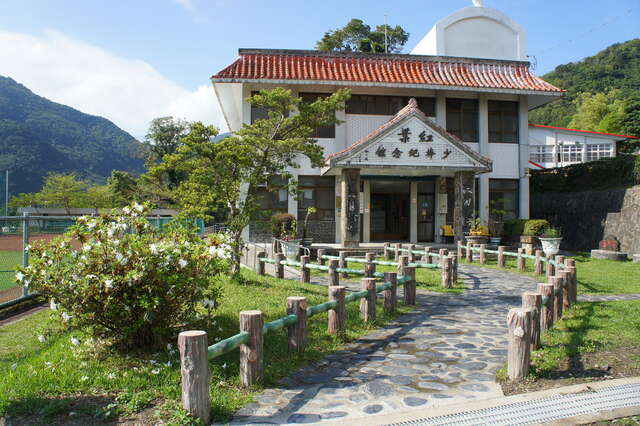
{"points": [[533, 228], [306, 240], [478, 232], [551, 238], [496, 224], [284, 228]]}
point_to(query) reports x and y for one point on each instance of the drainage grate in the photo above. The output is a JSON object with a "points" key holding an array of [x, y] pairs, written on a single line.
{"points": [[541, 410]]}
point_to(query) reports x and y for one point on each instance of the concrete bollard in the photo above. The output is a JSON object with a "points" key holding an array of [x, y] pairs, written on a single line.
{"points": [[531, 300], [320, 253], [260, 265], [390, 295], [297, 332], [386, 251], [396, 251], [402, 262], [411, 247], [546, 312], [519, 350], [446, 272], [334, 277], [279, 258], [538, 263], [469, 253], [337, 317], [410, 286], [370, 267], [368, 303], [194, 369], [501, 257], [342, 263], [251, 362], [550, 269], [483, 255], [557, 297], [521, 260], [305, 273]]}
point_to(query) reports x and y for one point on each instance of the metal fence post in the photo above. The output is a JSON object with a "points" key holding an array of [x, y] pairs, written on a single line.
{"points": [[25, 250]]}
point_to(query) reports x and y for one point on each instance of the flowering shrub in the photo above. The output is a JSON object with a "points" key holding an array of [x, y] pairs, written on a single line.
{"points": [[128, 282]]}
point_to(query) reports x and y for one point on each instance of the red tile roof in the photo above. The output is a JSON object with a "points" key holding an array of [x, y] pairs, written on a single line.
{"points": [[412, 109], [583, 131], [279, 65]]}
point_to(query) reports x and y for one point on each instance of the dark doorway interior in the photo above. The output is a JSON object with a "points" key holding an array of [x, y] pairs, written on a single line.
{"points": [[389, 211]]}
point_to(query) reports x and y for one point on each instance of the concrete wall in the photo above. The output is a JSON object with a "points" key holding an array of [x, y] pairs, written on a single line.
{"points": [[587, 217]]}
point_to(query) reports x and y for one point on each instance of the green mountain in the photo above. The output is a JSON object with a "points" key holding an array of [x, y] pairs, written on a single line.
{"points": [[38, 136], [603, 92]]}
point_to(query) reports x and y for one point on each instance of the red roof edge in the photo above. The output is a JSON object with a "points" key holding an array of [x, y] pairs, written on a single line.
{"points": [[536, 164], [583, 131]]}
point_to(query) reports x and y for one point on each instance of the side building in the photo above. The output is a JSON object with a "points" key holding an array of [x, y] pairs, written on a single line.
{"points": [[428, 139]]}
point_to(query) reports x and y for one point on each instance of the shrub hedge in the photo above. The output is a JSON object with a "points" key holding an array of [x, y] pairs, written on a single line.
{"points": [[616, 172]]}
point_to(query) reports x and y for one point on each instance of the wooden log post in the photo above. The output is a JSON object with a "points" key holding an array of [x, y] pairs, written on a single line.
{"points": [[279, 258], [412, 257], [410, 286], [521, 259], [538, 263], [469, 253], [570, 262], [251, 362], [391, 294], [386, 251], [368, 303], [260, 265], [573, 284], [519, 349], [531, 300], [443, 252], [501, 257], [427, 255], [396, 251], [402, 262], [370, 267], [459, 248], [559, 262], [305, 273], [557, 297], [334, 277], [454, 269], [342, 263], [546, 312], [320, 253], [297, 332], [446, 272], [194, 369], [483, 255], [337, 317], [550, 269], [566, 289]]}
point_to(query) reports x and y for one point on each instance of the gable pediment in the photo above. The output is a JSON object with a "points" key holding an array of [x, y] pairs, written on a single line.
{"points": [[411, 141]]}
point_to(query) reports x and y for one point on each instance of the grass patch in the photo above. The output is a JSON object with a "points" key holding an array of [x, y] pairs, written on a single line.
{"points": [[595, 276], [49, 379], [9, 259]]}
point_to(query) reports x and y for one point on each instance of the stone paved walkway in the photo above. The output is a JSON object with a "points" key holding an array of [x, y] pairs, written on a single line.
{"points": [[446, 351]]}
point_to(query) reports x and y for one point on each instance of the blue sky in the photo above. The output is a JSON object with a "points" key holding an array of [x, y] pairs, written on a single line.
{"points": [[129, 60]]}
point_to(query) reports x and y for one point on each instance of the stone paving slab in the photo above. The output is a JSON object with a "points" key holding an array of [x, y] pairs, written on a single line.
{"points": [[446, 351]]}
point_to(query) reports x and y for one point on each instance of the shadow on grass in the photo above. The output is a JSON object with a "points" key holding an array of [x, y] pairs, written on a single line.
{"points": [[71, 410]]}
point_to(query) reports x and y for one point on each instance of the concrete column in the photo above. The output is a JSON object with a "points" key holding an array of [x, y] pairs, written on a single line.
{"points": [[483, 148], [366, 215], [523, 147], [413, 212], [441, 197], [350, 210], [441, 110], [465, 200], [338, 207]]}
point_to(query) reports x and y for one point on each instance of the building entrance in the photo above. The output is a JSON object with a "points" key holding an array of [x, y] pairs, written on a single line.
{"points": [[390, 211]]}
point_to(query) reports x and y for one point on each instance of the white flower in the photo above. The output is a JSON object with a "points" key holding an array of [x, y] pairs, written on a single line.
{"points": [[52, 305], [84, 378], [111, 376], [74, 341], [224, 365], [153, 248], [86, 247], [14, 366], [63, 244], [138, 207], [209, 304], [168, 364], [19, 276], [42, 339], [91, 224], [153, 361], [108, 283], [28, 247], [169, 347], [48, 364], [126, 210], [155, 371], [66, 316], [182, 263]]}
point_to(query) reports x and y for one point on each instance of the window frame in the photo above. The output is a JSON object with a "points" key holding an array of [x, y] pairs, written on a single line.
{"points": [[501, 111], [376, 106], [323, 214], [471, 135], [494, 190], [321, 132], [602, 150], [542, 153]]}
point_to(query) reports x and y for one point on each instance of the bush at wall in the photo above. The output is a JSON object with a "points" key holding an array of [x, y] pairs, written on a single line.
{"points": [[535, 227], [129, 282]]}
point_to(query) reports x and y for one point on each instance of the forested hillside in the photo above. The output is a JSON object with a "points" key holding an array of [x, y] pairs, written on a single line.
{"points": [[38, 136], [603, 92]]}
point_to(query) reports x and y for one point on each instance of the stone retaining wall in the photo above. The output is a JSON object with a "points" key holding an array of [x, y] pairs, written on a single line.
{"points": [[587, 217]]}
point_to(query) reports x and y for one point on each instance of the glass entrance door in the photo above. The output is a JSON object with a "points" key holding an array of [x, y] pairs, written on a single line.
{"points": [[389, 210], [426, 209]]}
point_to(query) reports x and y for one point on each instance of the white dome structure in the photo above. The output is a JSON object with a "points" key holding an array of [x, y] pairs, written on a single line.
{"points": [[475, 32]]}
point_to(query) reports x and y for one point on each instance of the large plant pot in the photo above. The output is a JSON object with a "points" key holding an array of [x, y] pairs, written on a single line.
{"points": [[550, 246], [477, 239], [306, 242], [291, 249]]}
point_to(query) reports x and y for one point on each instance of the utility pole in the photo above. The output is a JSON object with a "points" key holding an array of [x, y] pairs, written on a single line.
{"points": [[6, 192]]}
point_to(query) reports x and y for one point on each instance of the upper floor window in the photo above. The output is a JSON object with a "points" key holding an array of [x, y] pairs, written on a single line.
{"points": [[541, 153], [462, 118], [322, 132], [318, 192], [258, 113], [503, 121], [598, 151], [275, 198], [571, 153], [504, 198], [387, 105]]}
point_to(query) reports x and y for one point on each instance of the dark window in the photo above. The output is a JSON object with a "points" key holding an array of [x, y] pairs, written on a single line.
{"points": [[274, 198], [318, 192], [503, 122], [258, 113], [462, 119], [322, 132], [387, 105], [504, 197]]}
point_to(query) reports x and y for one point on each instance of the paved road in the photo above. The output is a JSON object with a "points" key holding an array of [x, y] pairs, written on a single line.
{"points": [[446, 351]]}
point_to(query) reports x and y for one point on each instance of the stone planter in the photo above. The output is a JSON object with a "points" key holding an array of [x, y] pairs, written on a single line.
{"points": [[528, 243], [291, 249], [550, 246], [477, 239]]}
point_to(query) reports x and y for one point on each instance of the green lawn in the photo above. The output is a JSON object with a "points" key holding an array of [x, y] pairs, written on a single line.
{"points": [[8, 261], [50, 379], [595, 276]]}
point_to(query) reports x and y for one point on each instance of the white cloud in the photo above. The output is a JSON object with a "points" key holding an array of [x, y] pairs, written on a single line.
{"points": [[127, 91], [187, 4]]}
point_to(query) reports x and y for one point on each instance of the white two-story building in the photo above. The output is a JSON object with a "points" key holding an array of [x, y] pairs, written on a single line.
{"points": [[428, 139]]}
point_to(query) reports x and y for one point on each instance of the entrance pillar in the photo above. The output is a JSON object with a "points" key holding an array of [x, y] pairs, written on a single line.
{"points": [[366, 214], [350, 208], [413, 213], [464, 202]]}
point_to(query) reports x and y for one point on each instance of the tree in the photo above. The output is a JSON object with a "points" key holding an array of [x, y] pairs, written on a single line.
{"points": [[63, 190], [163, 138], [227, 172], [356, 36]]}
